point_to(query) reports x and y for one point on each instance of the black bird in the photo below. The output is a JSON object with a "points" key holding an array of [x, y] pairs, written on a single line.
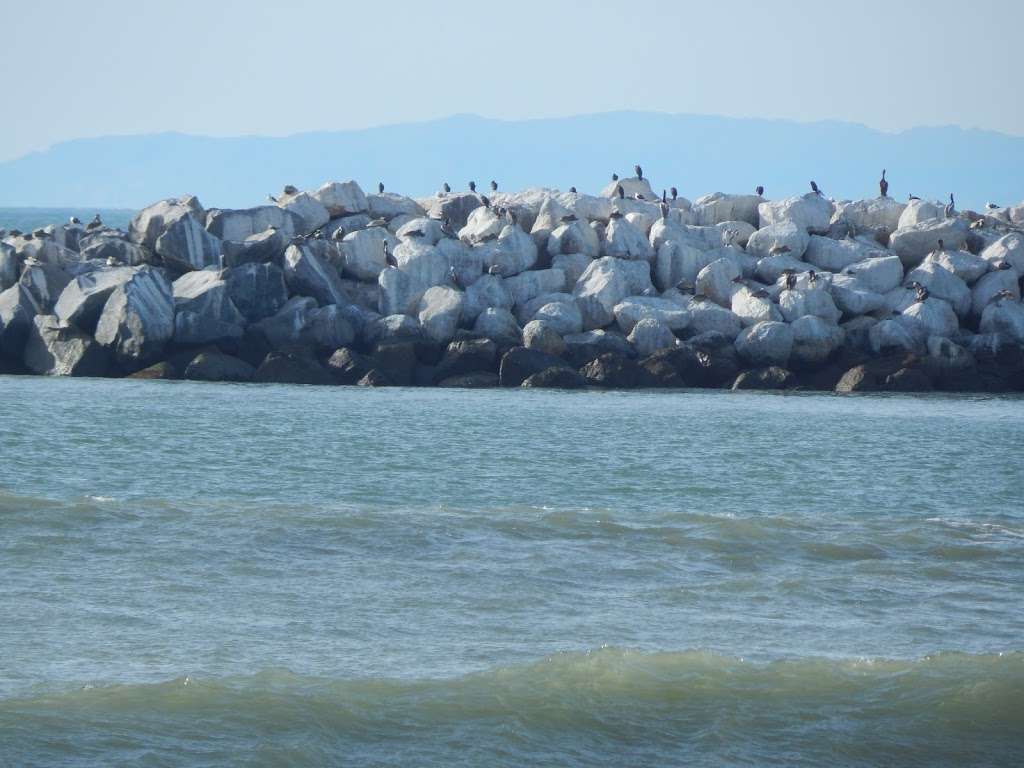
{"points": [[338, 234], [664, 211], [568, 218], [380, 187], [1003, 265], [494, 186], [920, 293], [942, 246], [96, 222], [639, 171], [447, 188], [485, 201], [814, 188], [453, 276], [664, 196], [389, 257], [620, 191], [883, 185], [913, 197], [271, 198], [790, 275], [573, 190], [759, 190], [812, 276], [472, 186], [674, 192], [615, 177], [615, 215], [290, 189], [950, 207], [75, 220]]}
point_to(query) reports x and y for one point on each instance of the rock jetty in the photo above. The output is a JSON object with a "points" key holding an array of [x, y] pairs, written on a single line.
{"points": [[631, 287]]}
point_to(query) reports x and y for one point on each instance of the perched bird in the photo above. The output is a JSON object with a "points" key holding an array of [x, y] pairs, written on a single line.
{"points": [[920, 293], [497, 270], [761, 293], [664, 197], [674, 192], [447, 188], [812, 276], [74, 221], [317, 234], [638, 196], [568, 218], [40, 233], [472, 186], [883, 185], [942, 246], [389, 258], [778, 250], [380, 187], [573, 190], [485, 201], [96, 222], [615, 215], [664, 211], [1002, 265], [790, 275], [950, 207], [453, 277], [620, 192], [494, 186], [913, 197], [759, 190], [338, 234], [272, 199], [814, 188], [615, 177], [992, 206], [639, 171]]}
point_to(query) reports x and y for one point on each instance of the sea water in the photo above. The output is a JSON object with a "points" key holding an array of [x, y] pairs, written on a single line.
{"points": [[206, 575]]}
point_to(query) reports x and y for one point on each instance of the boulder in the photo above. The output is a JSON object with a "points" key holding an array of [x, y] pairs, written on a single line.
{"points": [[237, 225], [706, 316], [623, 240], [392, 328], [10, 266], [915, 242], [389, 205], [341, 198], [920, 212], [649, 335], [348, 366], [519, 363], [309, 211], [81, 301], [771, 377], [307, 275], [499, 325], [216, 366], [46, 283], [151, 222], [751, 308], [572, 264], [717, 207], [53, 349], [963, 264], [204, 312], [486, 291], [439, 311], [285, 327], [529, 285], [581, 348], [716, 281], [815, 301], [114, 248], [258, 291], [950, 367], [1004, 316], [465, 357], [879, 274], [17, 310], [562, 317], [555, 378], [630, 186], [137, 320], [512, 253], [162, 371], [543, 338], [186, 245], [605, 283], [784, 234], [422, 229], [809, 212], [870, 216], [932, 317], [908, 380], [852, 298], [291, 367], [479, 380], [363, 252], [456, 207], [678, 262], [614, 371], [263, 246], [814, 341], [943, 284], [327, 328], [890, 336], [573, 237], [991, 284], [870, 376], [1008, 248], [375, 378], [835, 255], [766, 343], [635, 308]]}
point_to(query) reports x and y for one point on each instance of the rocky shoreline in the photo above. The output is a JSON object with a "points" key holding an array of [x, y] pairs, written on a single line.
{"points": [[537, 288]]}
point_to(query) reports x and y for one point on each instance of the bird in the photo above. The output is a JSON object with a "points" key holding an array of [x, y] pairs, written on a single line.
{"points": [[913, 197], [615, 177], [620, 192], [272, 199], [664, 211], [472, 186], [639, 171], [814, 188], [317, 234], [674, 192], [883, 185], [761, 293], [96, 222], [485, 201], [496, 270], [453, 277], [942, 246], [338, 234], [920, 293], [615, 215], [1001, 265], [568, 218], [446, 227], [778, 250], [573, 190], [790, 275], [992, 206], [290, 189], [74, 221], [638, 196], [812, 276], [389, 258], [494, 186], [950, 207], [447, 188], [759, 190], [380, 187], [664, 197]]}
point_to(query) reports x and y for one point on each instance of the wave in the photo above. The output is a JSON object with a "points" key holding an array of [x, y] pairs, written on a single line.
{"points": [[583, 707]]}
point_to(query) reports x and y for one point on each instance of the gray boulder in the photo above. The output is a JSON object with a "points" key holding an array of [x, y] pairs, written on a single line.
{"points": [[151, 222], [751, 308], [815, 301], [542, 337], [991, 284], [239, 224], [499, 325], [341, 198], [45, 282], [835, 255], [943, 284], [651, 334], [440, 309], [879, 274], [185, 245], [529, 285], [53, 349], [635, 308], [138, 318], [215, 366], [82, 300], [1004, 316], [814, 341], [561, 316], [486, 291], [915, 242], [17, 310], [768, 343], [852, 298], [605, 283], [1008, 248], [204, 312], [809, 212], [10, 266], [715, 281], [257, 290], [706, 317], [363, 252], [263, 246], [306, 274]]}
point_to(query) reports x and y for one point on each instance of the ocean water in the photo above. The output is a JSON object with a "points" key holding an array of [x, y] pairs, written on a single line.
{"points": [[207, 575], [27, 219]]}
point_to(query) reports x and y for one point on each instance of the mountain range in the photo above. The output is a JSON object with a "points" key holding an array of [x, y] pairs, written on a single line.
{"points": [[696, 153]]}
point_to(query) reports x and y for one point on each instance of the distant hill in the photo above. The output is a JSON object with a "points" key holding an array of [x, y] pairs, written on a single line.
{"points": [[696, 153]]}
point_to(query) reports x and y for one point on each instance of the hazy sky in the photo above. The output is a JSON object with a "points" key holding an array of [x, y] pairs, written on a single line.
{"points": [[77, 69]]}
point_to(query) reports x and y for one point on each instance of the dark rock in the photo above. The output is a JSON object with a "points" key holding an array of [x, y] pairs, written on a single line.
{"points": [[56, 350], [662, 372], [204, 312], [327, 328], [423, 376], [709, 341], [258, 291], [823, 379], [82, 299], [264, 246], [375, 378], [214, 366], [462, 357], [772, 377], [478, 380], [908, 380], [162, 370], [290, 367], [138, 319], [697, 368], [185, 245], [397, 361], [614, 371], [17, 309], [519, 363], [555, 378], [871, 376], [308, 275], [348, 366], [46, 283]]}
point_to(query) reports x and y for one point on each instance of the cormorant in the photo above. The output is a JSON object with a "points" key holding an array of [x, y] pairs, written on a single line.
{"points": [[494, 186], [814, 188], [615, 215], [380, 187], [790, 275], [950, 207], [389, 257], [485, 201], [290, 190], [761, 293], [447, 188], [615, 177], [272, 199], [913, 197], [992, 206], [812, 276], [883, 185], [472, 186], [664, 211], [674, 192], [96, 222], [664, 197], [573, 190], [620, 192], [759, 190], [639, 171]]}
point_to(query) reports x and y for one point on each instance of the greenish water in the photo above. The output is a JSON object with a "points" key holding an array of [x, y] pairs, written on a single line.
{"points": [[27, 219], [199, 575]]}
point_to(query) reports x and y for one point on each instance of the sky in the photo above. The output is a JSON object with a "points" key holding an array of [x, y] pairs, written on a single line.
{"points": [[84, 69]]}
